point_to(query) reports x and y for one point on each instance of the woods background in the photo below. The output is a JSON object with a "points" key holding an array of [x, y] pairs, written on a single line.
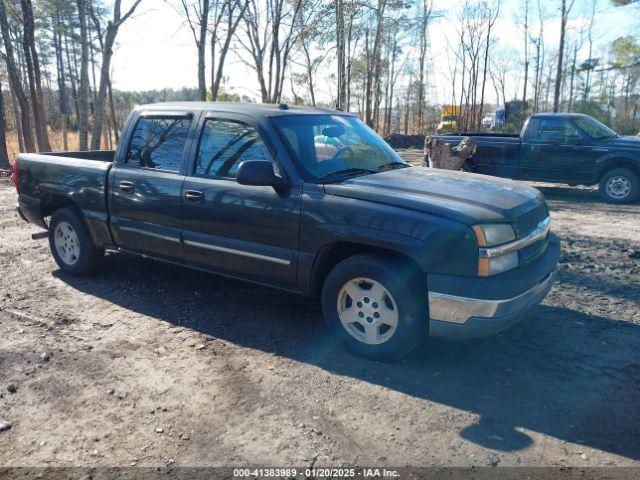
{"points": [[374, 58]]}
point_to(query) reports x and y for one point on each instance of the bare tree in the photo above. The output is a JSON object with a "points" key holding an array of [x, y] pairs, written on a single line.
{"points": [[16, 81], [341, 56], [34, 75], [310, 43], [526, 50], [591, 63], [227, 17], [197, 14], [270, 28], [564, 17], [83, 93], [538, 43], [4, 156], [426, 9], [107, 42], [60, 76], [491, 17], [374, 64]]}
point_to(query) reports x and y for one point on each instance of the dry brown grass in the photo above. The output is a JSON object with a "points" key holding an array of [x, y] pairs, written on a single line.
{"points": [[55, 138]]}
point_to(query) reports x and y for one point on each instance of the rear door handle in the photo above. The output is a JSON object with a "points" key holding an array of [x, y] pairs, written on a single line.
{"points": [[194, 195], [126, 186]]}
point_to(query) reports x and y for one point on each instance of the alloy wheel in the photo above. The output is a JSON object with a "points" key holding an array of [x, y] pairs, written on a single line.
{"points": [[67, 243], [367, 311]]}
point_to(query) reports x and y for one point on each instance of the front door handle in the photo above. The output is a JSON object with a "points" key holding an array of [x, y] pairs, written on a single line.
{"points": [[126, 186], [194, 195]]}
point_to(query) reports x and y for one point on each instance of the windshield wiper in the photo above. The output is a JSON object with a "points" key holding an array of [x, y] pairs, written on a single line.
{"points": [[392, 166], [347, 172]]}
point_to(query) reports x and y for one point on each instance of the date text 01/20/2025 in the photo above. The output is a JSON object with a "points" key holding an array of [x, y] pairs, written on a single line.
{"points": [[315, 473]]}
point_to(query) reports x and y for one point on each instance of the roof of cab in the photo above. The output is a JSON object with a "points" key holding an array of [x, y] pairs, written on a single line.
{"points": [[252, 109], [558, 115]]}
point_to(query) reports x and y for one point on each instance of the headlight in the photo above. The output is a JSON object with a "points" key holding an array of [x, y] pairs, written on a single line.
{"points": [[494, 265], [491, 235], [494, 234]]}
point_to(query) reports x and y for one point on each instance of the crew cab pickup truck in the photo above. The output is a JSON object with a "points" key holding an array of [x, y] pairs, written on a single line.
{"points": [[561, 148], [257, 193]]}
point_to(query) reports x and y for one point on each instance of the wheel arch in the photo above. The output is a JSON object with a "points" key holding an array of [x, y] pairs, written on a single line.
{"points": [[619, 162], [330, 255], [52, 202]]}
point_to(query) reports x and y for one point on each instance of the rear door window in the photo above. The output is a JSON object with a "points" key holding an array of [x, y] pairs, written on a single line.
{"points": [[158, 142], [558, 130]]}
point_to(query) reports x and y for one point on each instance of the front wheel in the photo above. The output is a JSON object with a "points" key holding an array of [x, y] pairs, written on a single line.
{"points": [[71, 244], [375, 307], [620, 185]]}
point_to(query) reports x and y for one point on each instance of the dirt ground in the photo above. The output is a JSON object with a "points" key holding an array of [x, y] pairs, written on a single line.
{"points": [[152, 365]]}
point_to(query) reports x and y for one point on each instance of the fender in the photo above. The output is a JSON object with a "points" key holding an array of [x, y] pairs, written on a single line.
{"points": [[616, 158]]}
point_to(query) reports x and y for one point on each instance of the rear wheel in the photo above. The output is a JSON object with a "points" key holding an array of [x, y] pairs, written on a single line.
{"points": [[71, 244], [375, 308], [620, 185]]}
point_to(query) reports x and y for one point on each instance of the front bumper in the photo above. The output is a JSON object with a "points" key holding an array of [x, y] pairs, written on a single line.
{"points": [[480, 313]]}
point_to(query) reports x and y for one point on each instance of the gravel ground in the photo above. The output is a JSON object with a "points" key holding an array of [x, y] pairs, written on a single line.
{"points": [[148, 364]]}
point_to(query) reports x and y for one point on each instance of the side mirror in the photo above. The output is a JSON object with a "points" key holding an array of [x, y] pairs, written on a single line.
{"points": [[259, 173]]}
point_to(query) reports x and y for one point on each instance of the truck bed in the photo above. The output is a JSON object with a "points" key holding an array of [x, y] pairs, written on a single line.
{"points": [[98, 155], [496, 154], [479, 134], [77, 179]]}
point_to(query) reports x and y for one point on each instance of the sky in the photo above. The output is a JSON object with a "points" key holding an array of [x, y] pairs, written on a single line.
{"points": [[156, 50]]}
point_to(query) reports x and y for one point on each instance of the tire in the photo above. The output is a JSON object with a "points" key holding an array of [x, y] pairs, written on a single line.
{"points": [[467, 167], [620, 185], [71, 244], [380, 323]]}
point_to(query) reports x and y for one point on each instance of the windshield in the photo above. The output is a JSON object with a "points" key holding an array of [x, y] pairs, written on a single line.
{"points": [[336, 145], [594, 128]]}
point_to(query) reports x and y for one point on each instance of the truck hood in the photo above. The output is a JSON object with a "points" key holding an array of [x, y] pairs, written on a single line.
{"points": [[632, 142], [465, 197]]}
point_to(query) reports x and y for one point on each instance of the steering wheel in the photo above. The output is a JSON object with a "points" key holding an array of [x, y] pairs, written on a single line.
{"points": [[340, 153]]}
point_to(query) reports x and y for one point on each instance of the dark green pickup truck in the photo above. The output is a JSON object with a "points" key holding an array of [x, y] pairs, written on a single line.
{"points": [[307, 200], [560, 148]]}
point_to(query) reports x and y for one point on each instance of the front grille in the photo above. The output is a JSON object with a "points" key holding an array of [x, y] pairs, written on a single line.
{"points": [[533, 251], [529, 221]]}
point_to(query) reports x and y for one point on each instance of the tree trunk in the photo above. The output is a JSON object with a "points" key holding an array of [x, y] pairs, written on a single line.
{"points": [[99, 114], [83, 94], [16, 118], [573, 74], [114, 120], [62, 87], [35, 76], [424, 22], [309, 65], [526, 51], [563, 27], [202, 45], [340, 53], [484, 70], [4, 156], [212, 47], [16, 81], [72, 69], [224, 50], [373, 75]]}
